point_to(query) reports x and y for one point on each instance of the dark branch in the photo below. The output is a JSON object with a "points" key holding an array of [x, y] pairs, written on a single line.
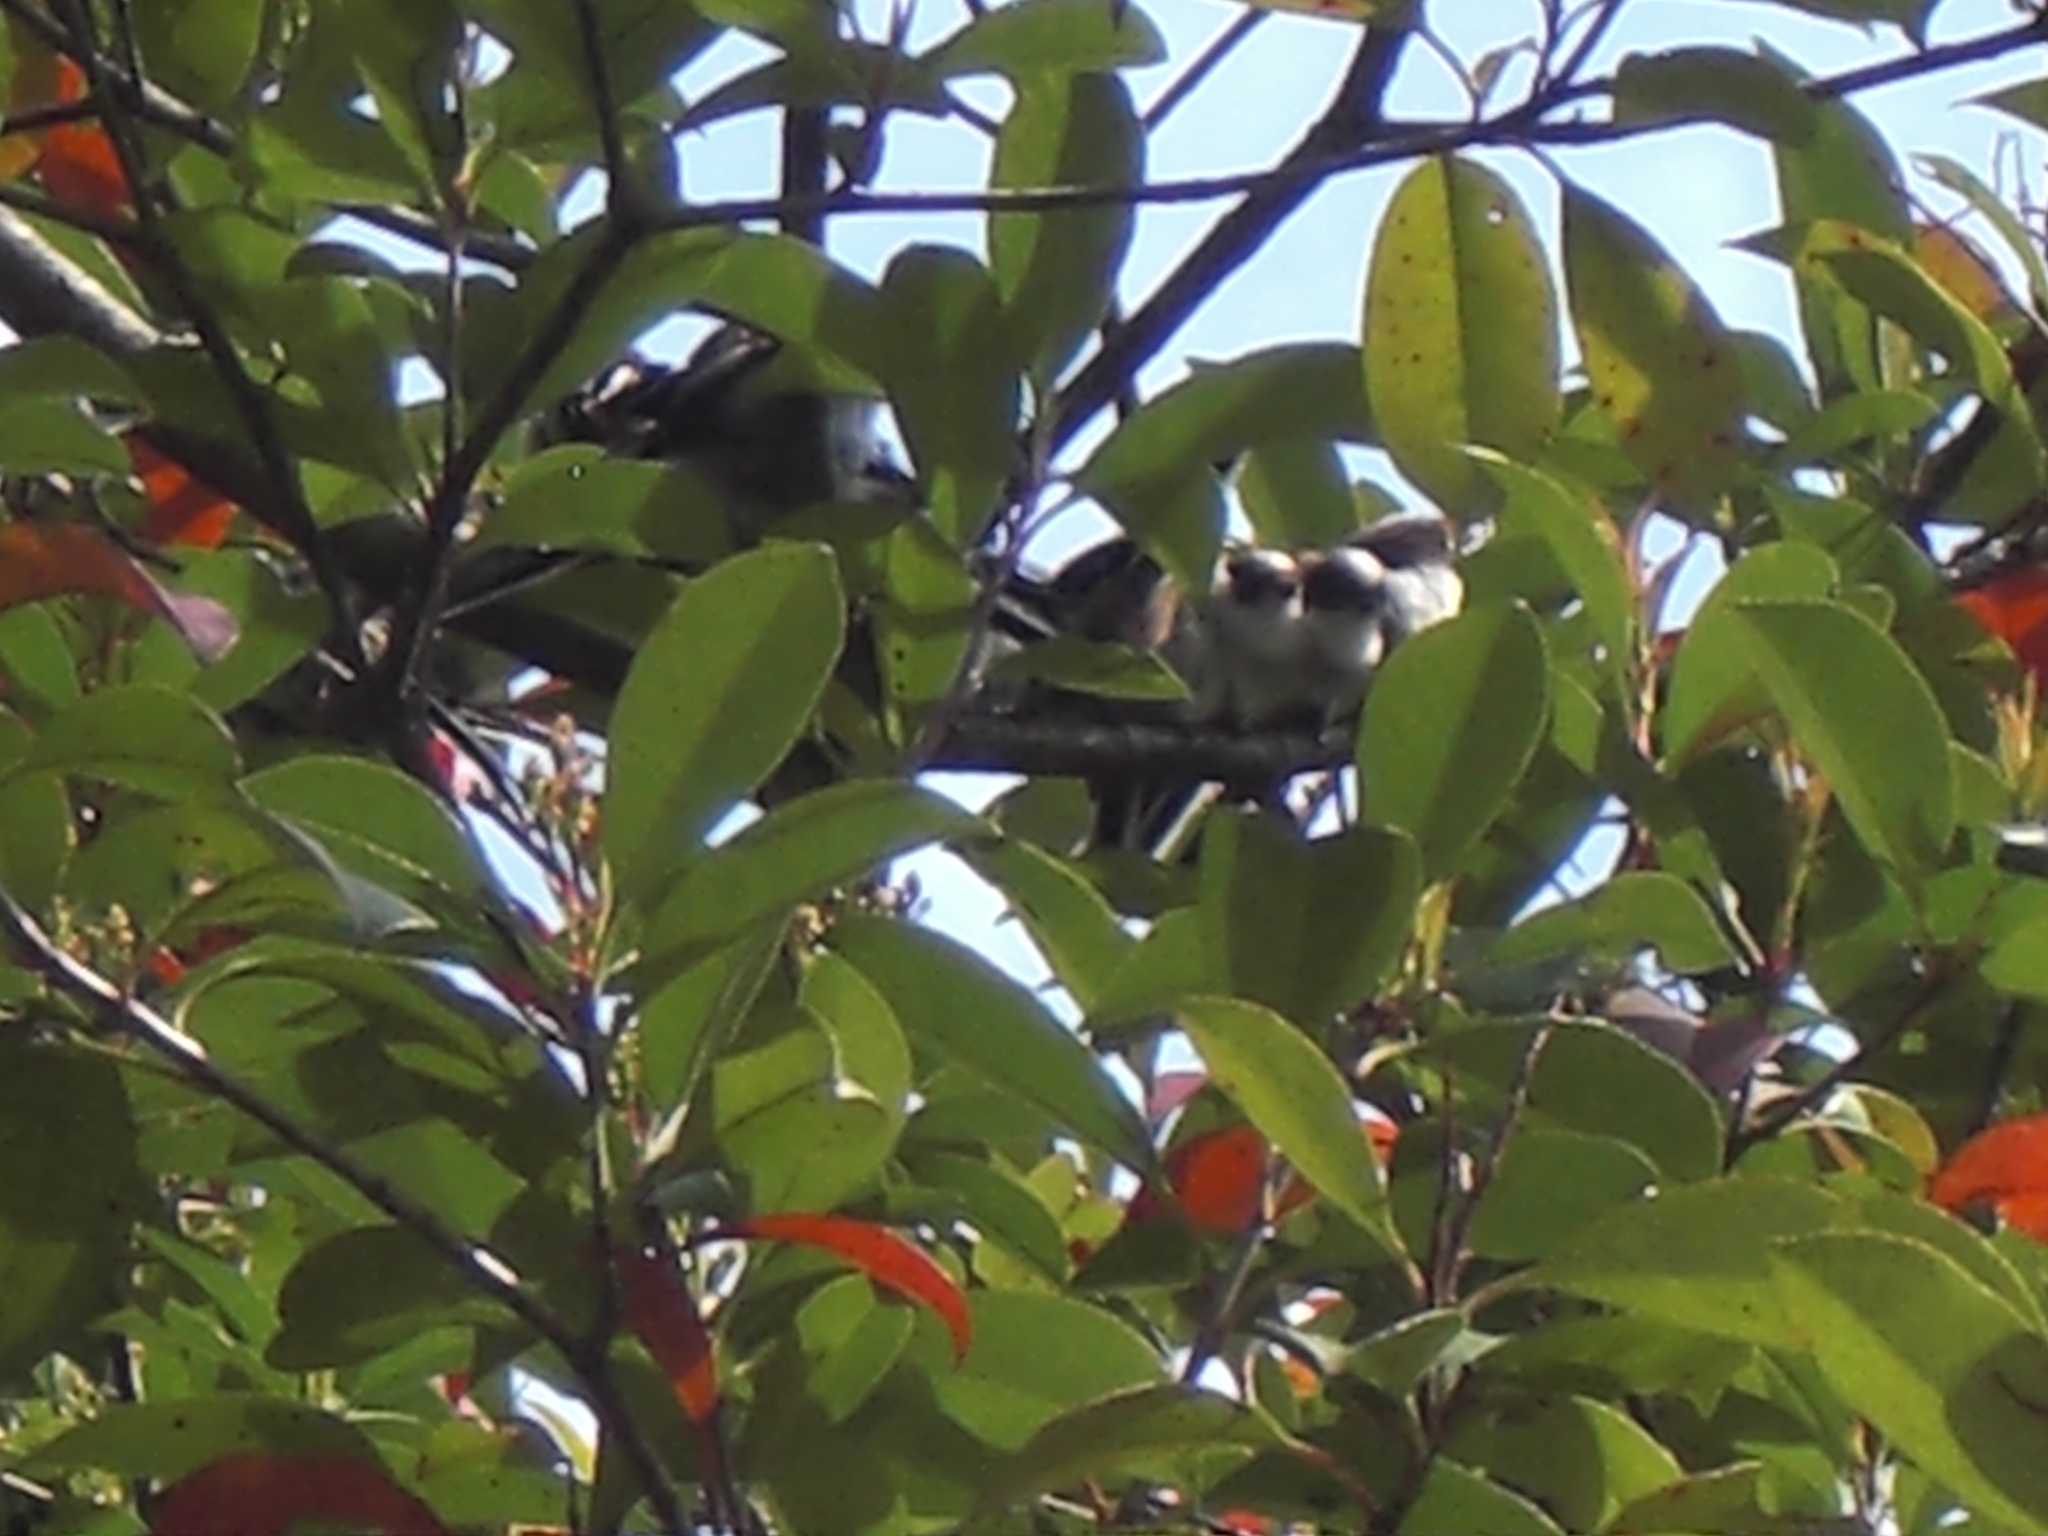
{"points": [[1002, 744]]}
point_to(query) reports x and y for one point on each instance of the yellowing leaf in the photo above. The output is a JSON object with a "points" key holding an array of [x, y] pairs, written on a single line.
{"points": [[1460, 330], [1660, 361]]}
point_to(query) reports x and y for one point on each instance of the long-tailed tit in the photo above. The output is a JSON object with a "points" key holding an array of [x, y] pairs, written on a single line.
{"points": [[1345, 602], [769, 441], [1255, 662], [1422, 582]]}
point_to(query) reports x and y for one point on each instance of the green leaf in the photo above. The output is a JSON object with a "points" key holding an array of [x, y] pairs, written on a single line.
{"points": [[573, 497], [1066, 917], [1452, 720], [1854, 419], [1057, 271], [803, 1139], [1130, 1428], [1049, 35], [1846, 171], [149, 739], [1697, 1256], [1309, 928], [1591, 1079], [1288, 1089], [799, 850], [1296, 494], [1944, 1368], [376, 820], [61, 367], [1887, 278], [1395, 1358], [1714, 687], [1578, 1457], [716, 695], [41, 437], [958, 1004], [1457, 1501], [1731, 85], [165, 1440], [1037, 1357], [1579, 534], [330, 339], [1865, 717], [953, 380], [1634, 910], [68, 1141], [364, 1291], [1661, 364], [1461, 342], [1547, 1185], [1155, 461], [1002, 1207], [686, 1021]]}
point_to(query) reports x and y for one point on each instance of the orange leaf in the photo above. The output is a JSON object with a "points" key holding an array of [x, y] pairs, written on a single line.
{"points": [[182, 510], [2014, 607], [1954, 262], [252, 1494], [2005, 1167], [80, 169], [662, 1314], [886, 1258], [39, 560], [41, 79]]}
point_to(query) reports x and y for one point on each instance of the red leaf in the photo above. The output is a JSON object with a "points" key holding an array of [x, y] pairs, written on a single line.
{"points": [[2005, 1167], [252, 1494], [661, 1312], [182, 510], [1220, 1177], [39, 560], [80, 169], [2014, 607], [886, 1258]]}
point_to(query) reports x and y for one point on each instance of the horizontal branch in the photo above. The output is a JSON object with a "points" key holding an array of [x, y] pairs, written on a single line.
{"points": [[1080, 748]]}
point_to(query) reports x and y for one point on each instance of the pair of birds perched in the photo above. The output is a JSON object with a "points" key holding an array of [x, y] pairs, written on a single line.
{"points": [[1281, 640]]}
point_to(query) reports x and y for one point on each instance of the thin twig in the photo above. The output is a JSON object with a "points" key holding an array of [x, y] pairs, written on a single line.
{"points": [[1605, 17], [1816, 1093], [2004, 1048], [1448, 1261], [1201, 66], [1215, 1326], [604, 104]]}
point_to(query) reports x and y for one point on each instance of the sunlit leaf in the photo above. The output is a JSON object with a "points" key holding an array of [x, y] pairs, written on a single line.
{"points": [[1661, 363], [1461, 342]]}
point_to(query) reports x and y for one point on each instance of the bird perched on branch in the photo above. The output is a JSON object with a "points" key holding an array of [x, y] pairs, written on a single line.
{"points": [[757, 421], [1279, 642]]}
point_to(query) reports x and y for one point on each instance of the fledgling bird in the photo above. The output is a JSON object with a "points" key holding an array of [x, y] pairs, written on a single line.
{"points": [[1345, 602], [771, 441], [1255, 672], [1422, 582]]}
